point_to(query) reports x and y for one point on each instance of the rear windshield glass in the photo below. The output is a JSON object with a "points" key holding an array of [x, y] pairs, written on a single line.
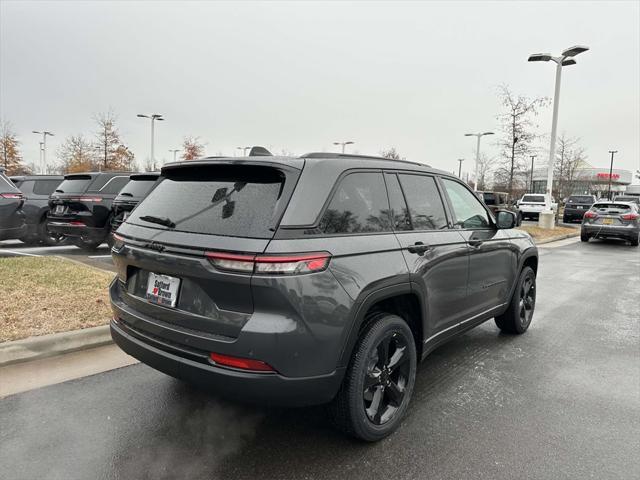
{"points": [[220, 200], [533, 198], [489, 198], [580, 199], [611, 206], [74, 184], [138, 187], [45, 187]]}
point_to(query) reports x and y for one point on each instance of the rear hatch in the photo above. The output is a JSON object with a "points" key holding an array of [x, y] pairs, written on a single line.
{"points": [[532, 201], [133, 192], [69, 199], [579, 202], [225, 208], [611, 214]]}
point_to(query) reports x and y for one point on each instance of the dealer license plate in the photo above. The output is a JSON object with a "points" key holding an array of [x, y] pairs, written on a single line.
{"points": [[60, 209], [163, 289], [607, 221]]}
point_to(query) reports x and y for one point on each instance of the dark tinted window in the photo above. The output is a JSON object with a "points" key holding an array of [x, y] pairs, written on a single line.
{"points": [[74, 184], [138, 187], [533, 198], [399, 210], [45, 187], [359, 204], [114, 185], [220, 200], [580, 199], [489, 198], [425, 204], [467, 210]]}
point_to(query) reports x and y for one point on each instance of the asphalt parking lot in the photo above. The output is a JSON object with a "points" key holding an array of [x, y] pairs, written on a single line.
{"points": [[561, 401]]}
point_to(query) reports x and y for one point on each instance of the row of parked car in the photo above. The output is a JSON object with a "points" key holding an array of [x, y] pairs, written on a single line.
{"points": [[84, 209]]}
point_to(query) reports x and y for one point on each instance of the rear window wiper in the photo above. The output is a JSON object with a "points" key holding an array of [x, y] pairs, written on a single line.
{"points": [[159, 220], [59, 191], [126, 194]]}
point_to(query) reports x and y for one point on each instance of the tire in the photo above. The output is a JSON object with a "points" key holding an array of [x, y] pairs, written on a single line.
{"points": [[88, 245], [565, 219], [47, 237], [635, 241], [391, 379], [519, 220], [517, 318], [584, 237]]}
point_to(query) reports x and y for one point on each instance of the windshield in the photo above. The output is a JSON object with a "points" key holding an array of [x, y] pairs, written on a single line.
{"points": [[581, 199], [138, 187], [218, 200], [74, 184], [489, 198], [533, 198]]}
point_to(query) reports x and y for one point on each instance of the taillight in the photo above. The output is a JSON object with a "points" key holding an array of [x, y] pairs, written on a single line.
{"points": [[241, 363], [630, 216], [90, 199], [15, 196], [271, 264], [118, 242], [590, 214]]}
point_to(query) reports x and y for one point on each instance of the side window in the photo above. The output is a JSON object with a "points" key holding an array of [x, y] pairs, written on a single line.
{"points": [[114, 185], [425, 204], [467, 210], [399, 210], [45, 187], [359, 205]]}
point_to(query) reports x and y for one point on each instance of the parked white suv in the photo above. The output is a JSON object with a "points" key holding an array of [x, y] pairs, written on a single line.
{"points": [[531, 205]]}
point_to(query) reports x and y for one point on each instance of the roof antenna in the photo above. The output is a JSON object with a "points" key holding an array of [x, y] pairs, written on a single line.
{"points": [[260, 152]]}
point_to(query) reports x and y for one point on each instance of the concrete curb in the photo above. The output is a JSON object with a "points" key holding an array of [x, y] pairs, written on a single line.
{"points": [[555, 239], [34, 348]]}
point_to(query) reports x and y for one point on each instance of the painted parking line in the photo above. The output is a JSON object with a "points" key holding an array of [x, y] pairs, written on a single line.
{"points": [[13, 252], [99, 256]]}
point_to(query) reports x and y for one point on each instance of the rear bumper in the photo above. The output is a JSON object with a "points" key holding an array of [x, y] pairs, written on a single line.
{"points": [[610, 231], [69, 229], [574, 214], [15, 232], [262, 388]]}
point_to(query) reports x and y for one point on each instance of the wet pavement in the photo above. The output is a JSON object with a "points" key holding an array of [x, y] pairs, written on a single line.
{"points": [[561, 401]]}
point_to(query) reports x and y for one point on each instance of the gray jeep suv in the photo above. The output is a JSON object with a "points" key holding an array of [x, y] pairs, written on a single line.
{"points": [[317, 279]]}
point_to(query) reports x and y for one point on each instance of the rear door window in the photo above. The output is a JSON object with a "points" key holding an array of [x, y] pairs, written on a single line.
{"points": [[359, 205], [45, 187], [399, 210], [224, 200], [489, 198], [467, 210], [74, 184], [425, 205]]}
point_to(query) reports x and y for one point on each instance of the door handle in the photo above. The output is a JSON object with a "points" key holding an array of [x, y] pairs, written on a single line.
{"points": [[418, 248], [475, 243]]}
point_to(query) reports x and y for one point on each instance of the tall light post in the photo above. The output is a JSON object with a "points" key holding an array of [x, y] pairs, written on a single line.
{"points": [[244, 150], [460, 160], [343, 144], [563, 60], [612, 152], [44, 133], [174, 150], [153, 117], [533, 157], [479, 136]]}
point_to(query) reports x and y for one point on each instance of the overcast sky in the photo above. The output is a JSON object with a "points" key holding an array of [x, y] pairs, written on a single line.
{"points": [[299, 76]]}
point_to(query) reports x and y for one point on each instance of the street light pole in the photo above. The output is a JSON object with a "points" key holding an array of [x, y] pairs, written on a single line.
{"points": [[531, 182], [460, 160], [479, 136], [612, 152], [565, 59], [153, 117], [44, 133], [175, 150], [343, 144]]}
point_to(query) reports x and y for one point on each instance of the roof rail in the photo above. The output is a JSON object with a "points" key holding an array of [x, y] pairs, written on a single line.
{"points": [[349, 155]]}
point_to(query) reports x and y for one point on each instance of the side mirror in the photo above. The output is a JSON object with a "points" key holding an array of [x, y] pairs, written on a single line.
{"points": [[505, 219]]}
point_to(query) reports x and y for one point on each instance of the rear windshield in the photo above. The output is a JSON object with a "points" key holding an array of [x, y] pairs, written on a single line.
{"points": [[138, 187], [580, 199], [74, 184], [489, 198], [533, 198], [225, 200], [611, 206]]}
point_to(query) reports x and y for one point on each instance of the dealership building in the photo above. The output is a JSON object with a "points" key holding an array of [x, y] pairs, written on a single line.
{"points": [[588, 181]]}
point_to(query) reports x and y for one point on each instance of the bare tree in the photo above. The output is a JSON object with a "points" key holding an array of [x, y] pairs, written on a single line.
{"points": [[192, 148], [77, 154], [10, 156], [570, 157], [391, 153], [518, 134], [484, 170], [112, 153]]}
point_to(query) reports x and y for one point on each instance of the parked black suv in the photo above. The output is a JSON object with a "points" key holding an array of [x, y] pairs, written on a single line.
{"points": [[576, 206], [133, 192], [323, 278], [12, 220], [500, 201], [81, 207], [36, 190]]}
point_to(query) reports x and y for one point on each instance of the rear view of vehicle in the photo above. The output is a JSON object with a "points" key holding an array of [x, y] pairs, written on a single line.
{"points": [[80, 208], [531, 205], [576, 206], [133, 192], [36, 190], [612, 220], [12, 219], [500, 201]]}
